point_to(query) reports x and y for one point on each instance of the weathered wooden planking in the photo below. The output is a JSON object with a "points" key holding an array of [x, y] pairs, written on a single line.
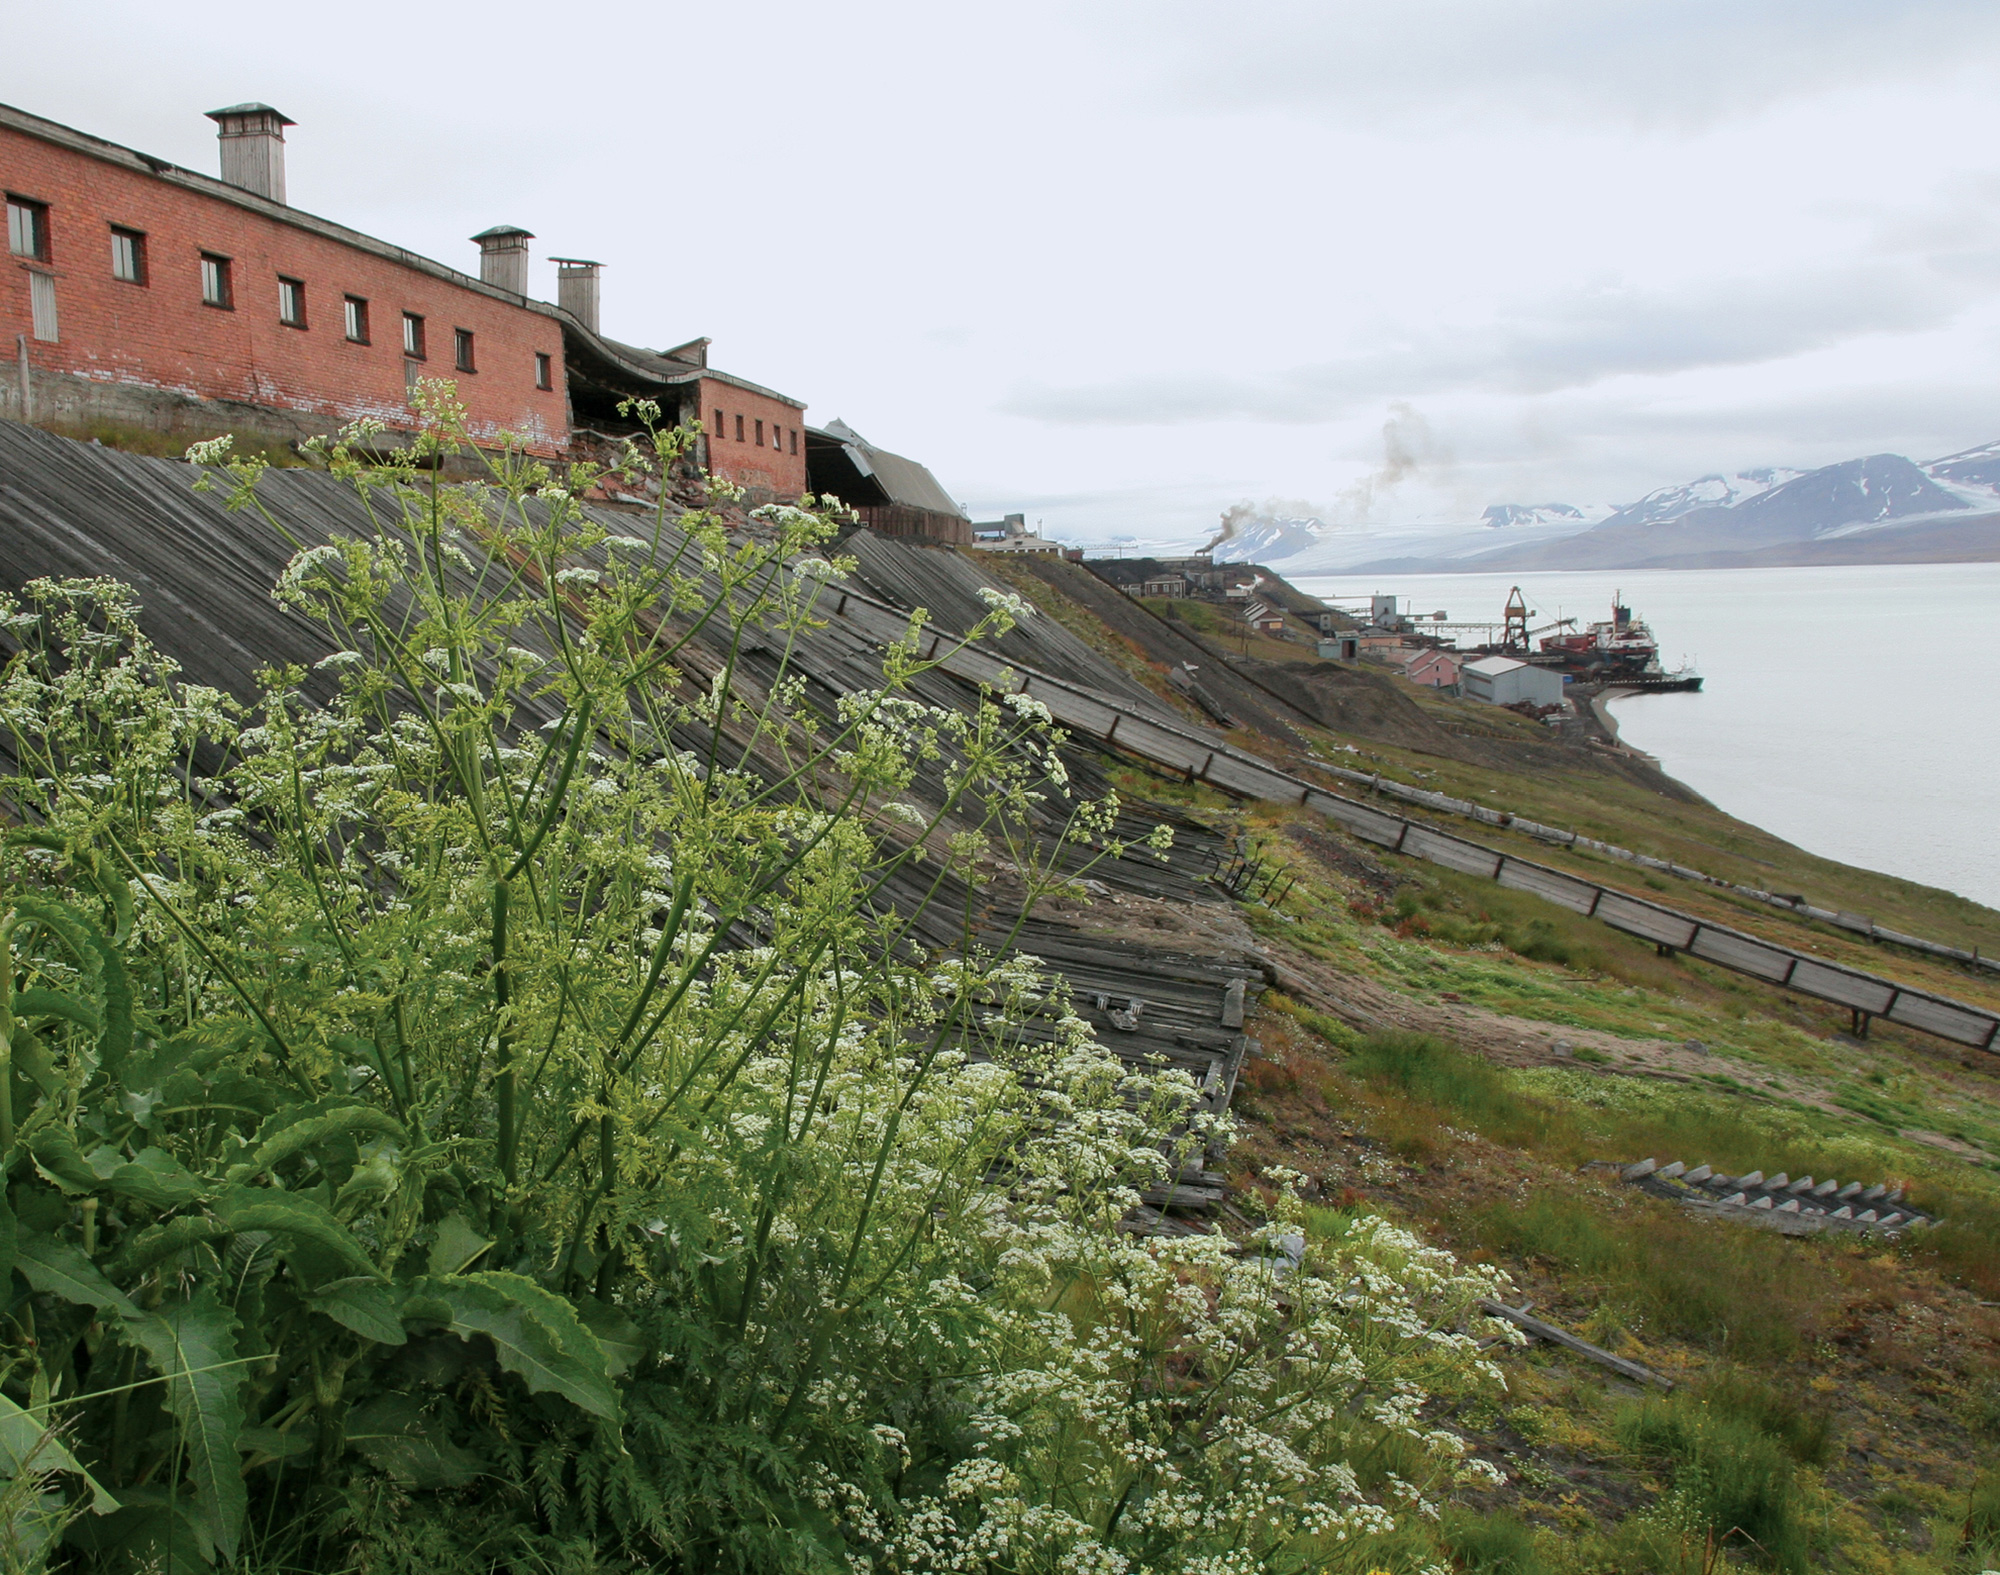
{"points": [[1740, 952], [1842, 986], [1646, 920], [1453, 853], [1579, 896], [1947, 1019]]}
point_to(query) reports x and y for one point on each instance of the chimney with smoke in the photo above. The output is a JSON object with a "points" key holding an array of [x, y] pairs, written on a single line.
{"points": [[503, 257], [253, 147], [576, 288]]}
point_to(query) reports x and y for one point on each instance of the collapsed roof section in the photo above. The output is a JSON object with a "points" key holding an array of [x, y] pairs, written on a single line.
{"points": [[894, 496]]}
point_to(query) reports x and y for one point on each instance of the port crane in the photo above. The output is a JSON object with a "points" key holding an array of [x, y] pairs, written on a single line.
{"points": [[1515, 635]]}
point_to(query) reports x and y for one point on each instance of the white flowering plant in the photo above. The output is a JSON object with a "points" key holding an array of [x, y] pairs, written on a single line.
{"points": [[481, 1099]]}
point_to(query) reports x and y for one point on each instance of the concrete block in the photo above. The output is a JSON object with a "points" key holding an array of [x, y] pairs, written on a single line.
{"points": [[1754, 1179], [1698, 1175], [1843, 1213], [1761, 1203], [1789, 1206], [1778, 1182], [1645, 1167], [1668, 1172], [1867, 1217], [1851, 1190]]}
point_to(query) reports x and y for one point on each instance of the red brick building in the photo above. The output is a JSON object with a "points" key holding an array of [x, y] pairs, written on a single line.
{"points": [[144, 294], [751, 435]]}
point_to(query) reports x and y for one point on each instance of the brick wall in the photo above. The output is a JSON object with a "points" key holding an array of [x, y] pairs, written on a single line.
{"points": [[159, 336], [754, 440]]}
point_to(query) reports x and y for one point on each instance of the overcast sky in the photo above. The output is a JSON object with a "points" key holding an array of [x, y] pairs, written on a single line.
{"points": [[1121, 265]]}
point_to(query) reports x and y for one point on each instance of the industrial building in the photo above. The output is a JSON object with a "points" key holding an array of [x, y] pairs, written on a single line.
{"points": [[149, 296], [893, 495], [1500, 680]]}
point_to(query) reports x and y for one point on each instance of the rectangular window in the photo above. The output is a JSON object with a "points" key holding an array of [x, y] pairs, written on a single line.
{"points": [[739, 429], [28, 228], [760, 434], [42, 305], [720, 429], [795, 440], [413, 336], [357, 319], [291, 303], [545, 372], [128, 255], [215, 290], [461, 350]]}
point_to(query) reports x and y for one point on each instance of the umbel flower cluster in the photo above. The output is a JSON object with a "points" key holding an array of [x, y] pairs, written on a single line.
{"points": [[483, 1100]]}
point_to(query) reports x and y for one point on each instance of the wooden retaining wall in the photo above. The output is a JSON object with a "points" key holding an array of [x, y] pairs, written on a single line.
{"points": [[1210, 759]]}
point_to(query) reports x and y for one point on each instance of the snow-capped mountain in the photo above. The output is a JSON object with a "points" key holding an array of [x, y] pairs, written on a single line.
{"points": [[1503, 516], [1973, 474], [1249, 537], [1708, 492], [1881, 508]]}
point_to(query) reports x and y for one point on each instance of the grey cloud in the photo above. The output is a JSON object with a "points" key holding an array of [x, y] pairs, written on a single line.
{"points": [[1647, 62], [1568, 341]]}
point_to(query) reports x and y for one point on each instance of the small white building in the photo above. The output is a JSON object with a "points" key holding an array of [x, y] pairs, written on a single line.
{"points": [[1500, 680]]}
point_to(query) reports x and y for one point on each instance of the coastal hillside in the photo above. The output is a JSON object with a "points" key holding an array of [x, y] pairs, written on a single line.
{"points": [[1490, 1069], [1253, 1101]]}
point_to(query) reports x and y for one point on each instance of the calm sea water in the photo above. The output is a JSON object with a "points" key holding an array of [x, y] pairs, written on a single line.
{"points": [[1853, 711]]}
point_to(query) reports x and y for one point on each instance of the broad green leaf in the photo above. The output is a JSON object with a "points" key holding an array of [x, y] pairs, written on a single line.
{"points": [[193, 1346], [57, 1156], [155, 1178], [59, 1268], [33, 1057], [301, 1220], [378, 1175], [624, 1346], [494, 1305], [455, 1246], [274, 1443], [347, 1122], [194, 1051], [114, 1044], [392, 1433], [556, 1312], [157, 1243], [28, 1443], [368, 1307], [10, 1238], [66, 924], [157, 1531], [58, 1003]]}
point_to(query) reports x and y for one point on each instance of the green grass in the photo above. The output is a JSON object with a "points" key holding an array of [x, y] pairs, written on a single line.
{"points": [[1730, 1476], [1496, 1544]]}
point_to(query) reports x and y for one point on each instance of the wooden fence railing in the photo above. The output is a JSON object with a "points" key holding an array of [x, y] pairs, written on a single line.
{"points": [[1204, 757]]}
